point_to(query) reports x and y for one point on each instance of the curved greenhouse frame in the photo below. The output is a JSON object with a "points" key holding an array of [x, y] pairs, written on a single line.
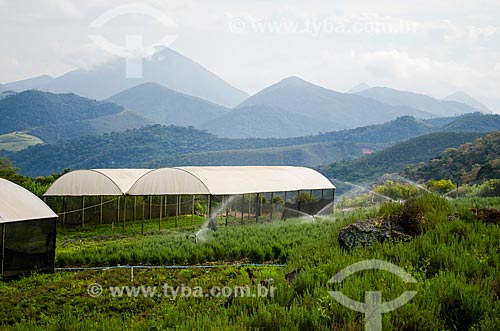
{"points": [[28, 232], [247, 191]]}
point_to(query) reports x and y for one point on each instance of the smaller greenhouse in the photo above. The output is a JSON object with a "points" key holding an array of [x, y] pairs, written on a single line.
{"points": [[27, 232], [222, 195]]}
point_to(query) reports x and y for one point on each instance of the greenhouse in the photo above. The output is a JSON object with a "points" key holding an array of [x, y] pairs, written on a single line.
{"points": [[28, 232], [220, 194]]}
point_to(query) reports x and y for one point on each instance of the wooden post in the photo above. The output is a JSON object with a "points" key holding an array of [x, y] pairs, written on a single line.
{"points": [[211, 223], [83, 210], [272, 207], [284, 210], [64, 210], [249, 206], [257, 209], [333, 199], [135, 208], [177, 212], [143, 216], [242, 207], [150, 206], [100, 209], [222, 204], [192, 211], [124, 210], [118, 211], [310, 202], [227, 212], [261, 211], [165, 208], [161, 211], [298, 201]]}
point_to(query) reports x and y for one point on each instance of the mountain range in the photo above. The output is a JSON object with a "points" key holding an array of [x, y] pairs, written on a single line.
{"points": [[421, 102], [341, 110], [166, 67], [175, 90], [468, 100], [35, 83]]}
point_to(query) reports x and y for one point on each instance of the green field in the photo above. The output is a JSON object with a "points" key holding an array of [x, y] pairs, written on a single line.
{"points": [[16, 141], [455, 262]]}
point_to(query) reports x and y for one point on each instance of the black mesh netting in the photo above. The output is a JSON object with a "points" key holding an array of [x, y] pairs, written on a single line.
{"points": [[27, 246]]}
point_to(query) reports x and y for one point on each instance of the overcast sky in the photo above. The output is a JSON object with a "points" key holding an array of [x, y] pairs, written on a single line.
{"points": [[432, 47]]}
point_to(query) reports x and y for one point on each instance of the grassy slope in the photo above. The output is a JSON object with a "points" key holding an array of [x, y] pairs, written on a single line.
{"points": [[455, 264], [16, 141]]}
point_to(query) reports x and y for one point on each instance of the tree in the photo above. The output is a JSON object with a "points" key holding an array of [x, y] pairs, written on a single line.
{"points": [[7, 168], [442, 186]]}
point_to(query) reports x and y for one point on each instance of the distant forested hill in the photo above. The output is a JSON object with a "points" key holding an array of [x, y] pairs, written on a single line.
{"points": [[471, 162], [174, 145], [160, 145], [475, 122], [168, 146], [298, 155], [52, 117], [395, 158]]}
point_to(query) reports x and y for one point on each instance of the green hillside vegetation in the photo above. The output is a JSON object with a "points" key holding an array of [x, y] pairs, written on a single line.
{"points": [[395, 158], [61, 116], [147, 146], [455, 264], [162, 145], [475, 122], [471, 162], [299, 155], [17, 141]]}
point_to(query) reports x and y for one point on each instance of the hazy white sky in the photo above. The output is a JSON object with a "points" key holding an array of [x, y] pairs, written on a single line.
{"points": [[432, 47]]}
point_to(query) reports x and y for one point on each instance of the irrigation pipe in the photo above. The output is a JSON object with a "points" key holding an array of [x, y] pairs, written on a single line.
{"points": [[172, 266]]}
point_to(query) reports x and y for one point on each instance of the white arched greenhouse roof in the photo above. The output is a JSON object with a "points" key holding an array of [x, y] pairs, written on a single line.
{"points": [[229, 180], [188, 180], [19, 204], [95, 182]]}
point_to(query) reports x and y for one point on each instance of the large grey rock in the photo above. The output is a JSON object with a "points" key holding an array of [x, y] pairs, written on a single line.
{"points": [[366, 233]]}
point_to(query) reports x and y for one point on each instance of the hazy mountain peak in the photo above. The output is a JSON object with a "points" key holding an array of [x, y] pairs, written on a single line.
{"points": [[30, 83], [293, 80], [422, 102], [359, 88], [342, 110], [166, 106], [463, 97], [167, 67]]}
